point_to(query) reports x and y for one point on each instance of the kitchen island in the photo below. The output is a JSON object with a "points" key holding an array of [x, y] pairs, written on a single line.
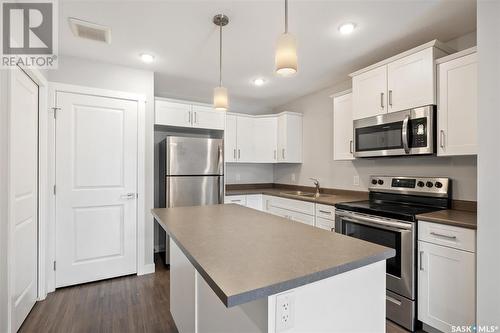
{"points": [[235, 269]]}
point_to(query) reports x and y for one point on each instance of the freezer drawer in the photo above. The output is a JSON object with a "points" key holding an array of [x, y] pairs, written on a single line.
{"points": [[194, 190]]}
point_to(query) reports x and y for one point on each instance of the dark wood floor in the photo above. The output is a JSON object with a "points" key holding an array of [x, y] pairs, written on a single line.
{"points": [[125, 304]]}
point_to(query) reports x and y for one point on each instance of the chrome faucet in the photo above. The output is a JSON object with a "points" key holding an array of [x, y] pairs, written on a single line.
{"points": [[316, 183]]}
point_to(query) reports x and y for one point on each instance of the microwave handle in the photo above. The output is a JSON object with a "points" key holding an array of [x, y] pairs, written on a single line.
{"points": [[404, 134]]}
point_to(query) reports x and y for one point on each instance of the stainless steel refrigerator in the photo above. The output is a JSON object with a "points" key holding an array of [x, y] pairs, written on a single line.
{"points": [[191, 173]]}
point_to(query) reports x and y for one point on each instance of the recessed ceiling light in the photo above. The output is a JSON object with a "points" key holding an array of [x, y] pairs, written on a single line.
{"points": [[347, 28], [259, 81], [147, 58]]}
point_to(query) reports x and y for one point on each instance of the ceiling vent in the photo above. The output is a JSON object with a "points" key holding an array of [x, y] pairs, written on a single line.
{"points": [[88, 30]]}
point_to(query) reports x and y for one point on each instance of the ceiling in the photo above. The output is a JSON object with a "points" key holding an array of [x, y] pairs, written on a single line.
{"points": [[184, 41]]}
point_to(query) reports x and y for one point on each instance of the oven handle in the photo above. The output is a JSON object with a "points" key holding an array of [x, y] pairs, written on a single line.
{"points": [[374, 221], [404, 134]]}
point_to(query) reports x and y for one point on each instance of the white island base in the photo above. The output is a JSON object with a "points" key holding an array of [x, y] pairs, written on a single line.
{"points": [[349, 302]]}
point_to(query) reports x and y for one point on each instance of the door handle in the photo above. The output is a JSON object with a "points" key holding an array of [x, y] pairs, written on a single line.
{"points": [[441, 138], [128, 196], [404, 134], [390, 97], [421, 256], [382, 100]]}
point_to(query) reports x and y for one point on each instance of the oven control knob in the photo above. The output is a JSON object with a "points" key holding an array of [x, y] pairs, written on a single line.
{"points": [[420, 184], [380, 182], [374, 181], [429, 184], [438, 184]]}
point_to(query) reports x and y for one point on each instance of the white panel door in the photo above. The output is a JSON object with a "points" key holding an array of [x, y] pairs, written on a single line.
{"points": [[207, 117], [173, 114], [230, 148], [23, 195], [290, 138], [446, 286], [266, 139], [96, 181], [457, 106], [411, 81], [245, 138], [342, 128], [369, 96]]}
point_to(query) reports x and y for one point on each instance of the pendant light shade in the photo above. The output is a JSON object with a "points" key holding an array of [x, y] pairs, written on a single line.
{"points": [[286, 55], [286, 51], [221, 99]]}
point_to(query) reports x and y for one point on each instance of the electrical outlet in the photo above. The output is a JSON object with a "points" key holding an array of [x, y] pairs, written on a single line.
{"points": [[355, 181], [285, 308], [293, 177]]}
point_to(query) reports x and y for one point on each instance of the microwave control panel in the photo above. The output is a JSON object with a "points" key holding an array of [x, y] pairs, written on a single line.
{"points": [[418, 132]]}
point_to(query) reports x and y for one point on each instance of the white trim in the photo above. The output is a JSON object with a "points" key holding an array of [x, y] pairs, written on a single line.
{"points": [[54, 87], [264, 115], [182, 101], [456, 55], [434, 43], [341, 93]]}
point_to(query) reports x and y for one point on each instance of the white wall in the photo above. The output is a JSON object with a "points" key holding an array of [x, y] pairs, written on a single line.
{"points": [[488, 231], [107, 76]]}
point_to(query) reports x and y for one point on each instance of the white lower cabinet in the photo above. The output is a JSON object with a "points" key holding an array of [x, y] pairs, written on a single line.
{"points": [[446, 281], [236, 199], [325, 224], [254, 201]]}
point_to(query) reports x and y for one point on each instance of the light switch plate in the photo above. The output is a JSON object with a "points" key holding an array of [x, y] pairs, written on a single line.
{"points": [[355, 181]]}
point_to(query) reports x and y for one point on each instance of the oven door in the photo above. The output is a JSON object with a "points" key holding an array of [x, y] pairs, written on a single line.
{"points": [[409, 132], [399, 235]]}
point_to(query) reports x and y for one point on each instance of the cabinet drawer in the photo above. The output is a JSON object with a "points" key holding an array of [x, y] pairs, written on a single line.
{"points": [[325, 211], [326, 224], [236, 199], [301, 217], [440, 234], [292, 205]]}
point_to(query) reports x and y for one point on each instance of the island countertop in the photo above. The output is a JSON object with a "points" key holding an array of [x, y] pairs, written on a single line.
{"points": [[244, 254]]}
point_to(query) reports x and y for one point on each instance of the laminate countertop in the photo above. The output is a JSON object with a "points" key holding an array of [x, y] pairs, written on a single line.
{"points": [[453, 217], [244, 254], [326, 199]]}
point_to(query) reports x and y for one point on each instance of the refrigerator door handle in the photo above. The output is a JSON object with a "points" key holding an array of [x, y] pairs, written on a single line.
{"points": [[220, 161]]}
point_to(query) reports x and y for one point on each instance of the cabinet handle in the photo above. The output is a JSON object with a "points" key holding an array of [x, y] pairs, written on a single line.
{"points": [[239, 154], [234, 153], [195, 121], [390, 97], [350, 146], [275, 154], [283, 153], [421, 255], [382, 100], [189, 117], [444, 236], [441, 139], [236, 200], [325, 212]]}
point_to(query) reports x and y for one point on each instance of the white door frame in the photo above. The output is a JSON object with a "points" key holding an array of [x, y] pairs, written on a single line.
{"points": [[50, 246]]}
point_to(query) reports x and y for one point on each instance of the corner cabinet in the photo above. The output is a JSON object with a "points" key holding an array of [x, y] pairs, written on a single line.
{"points": [[290, 137], [187, 114], [457, 104], [342, 127], [446, 276], [405, 81]]}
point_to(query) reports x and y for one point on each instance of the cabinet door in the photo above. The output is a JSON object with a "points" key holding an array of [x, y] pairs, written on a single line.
{"points": [[457, 106], [254, 201], [411, 81], [245, 137], [207, 117], [266, 139], [325, 224], [446, 286], [369, 95], [290, 138], [230, 148], [300, 217], [342, 128], [172, 114]]}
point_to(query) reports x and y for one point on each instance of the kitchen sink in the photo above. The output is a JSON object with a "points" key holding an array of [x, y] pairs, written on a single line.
{"points": [[300, 194]]}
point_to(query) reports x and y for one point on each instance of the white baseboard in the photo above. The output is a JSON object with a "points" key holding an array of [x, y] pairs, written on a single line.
{"points": [[146, 269]]}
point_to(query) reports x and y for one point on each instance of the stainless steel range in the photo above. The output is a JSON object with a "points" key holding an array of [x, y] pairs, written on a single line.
{"points": [[389, 218]]}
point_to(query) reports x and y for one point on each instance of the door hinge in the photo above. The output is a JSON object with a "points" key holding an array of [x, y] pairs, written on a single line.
{"points": [[54, 190], [54, 265], [55, 111]]}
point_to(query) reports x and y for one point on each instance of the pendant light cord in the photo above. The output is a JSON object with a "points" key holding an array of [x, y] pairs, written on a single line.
{"points": [[286, 16], [220, 56]]}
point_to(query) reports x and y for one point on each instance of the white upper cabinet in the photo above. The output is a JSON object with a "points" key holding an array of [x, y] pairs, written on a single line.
{"points": [[342, 127], [172, 113], [207, 117], [266, 139], [230, 144], [290, 137], [369, 93], [186, 114], [457, 104], [411, 81], [245, 139], [405, 81]]}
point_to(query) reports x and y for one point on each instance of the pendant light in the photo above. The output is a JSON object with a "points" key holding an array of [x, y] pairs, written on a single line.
{"points": [[221, 100], [286, 51]]}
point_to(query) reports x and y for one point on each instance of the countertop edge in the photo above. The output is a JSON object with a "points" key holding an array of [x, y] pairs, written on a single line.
{"points": [[457, 223], [252, 295]]}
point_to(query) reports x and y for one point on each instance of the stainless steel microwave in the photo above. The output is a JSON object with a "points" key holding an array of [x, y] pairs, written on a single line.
{"points": [[403, 133]]}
